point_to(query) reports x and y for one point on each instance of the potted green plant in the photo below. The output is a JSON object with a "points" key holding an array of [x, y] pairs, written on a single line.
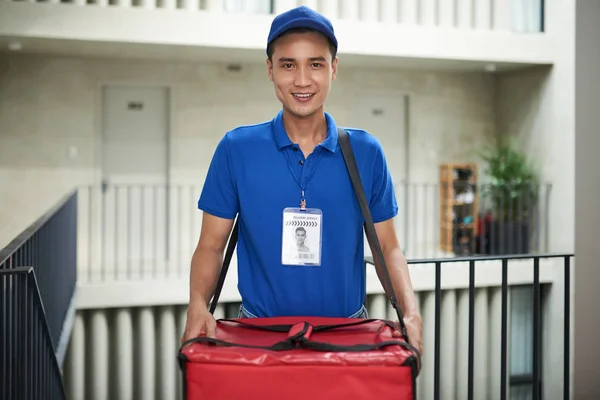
{"points": [[512, 189]]}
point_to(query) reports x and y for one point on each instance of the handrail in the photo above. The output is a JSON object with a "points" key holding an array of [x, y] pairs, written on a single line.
{"points": [[499, 257], [11, 248], [49, 246], [29, 367]]}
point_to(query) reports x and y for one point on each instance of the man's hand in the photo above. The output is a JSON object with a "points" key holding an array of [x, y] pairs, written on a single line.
{"points": [[200, 322], [414, 329]]}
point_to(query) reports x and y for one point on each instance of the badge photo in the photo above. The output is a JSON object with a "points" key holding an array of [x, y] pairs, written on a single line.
{"points": [[301, 237]]}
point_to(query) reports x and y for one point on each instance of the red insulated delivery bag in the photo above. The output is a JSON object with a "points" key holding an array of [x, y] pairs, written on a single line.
{"points": [[304, 358], [297, 358]]}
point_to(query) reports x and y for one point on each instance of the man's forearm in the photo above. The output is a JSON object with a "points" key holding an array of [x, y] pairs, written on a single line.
{"points": [[204, 274], [401, 282]]}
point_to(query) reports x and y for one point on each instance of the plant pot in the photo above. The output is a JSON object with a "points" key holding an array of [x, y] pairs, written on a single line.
{"points": [[506, 237]]}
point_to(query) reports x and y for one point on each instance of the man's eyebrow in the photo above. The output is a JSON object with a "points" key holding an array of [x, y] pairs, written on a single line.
{"points": [[289, 59]]}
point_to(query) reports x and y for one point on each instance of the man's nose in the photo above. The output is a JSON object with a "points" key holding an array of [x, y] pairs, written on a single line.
{"points": [[303, 77]]}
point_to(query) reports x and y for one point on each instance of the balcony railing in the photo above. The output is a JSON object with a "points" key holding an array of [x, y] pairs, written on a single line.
{"points": [[494, 327], [522, 16], [29, 368], [143, 231], [38, 274]]}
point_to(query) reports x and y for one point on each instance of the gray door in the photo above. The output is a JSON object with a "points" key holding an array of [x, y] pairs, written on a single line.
{"points": [[135, 126]]}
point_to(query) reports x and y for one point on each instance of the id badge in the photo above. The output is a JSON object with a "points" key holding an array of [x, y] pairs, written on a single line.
{"points": [[301, 236]]}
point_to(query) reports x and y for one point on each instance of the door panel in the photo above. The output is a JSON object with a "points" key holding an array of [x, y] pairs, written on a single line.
{"points": [[135, 199], [382, 114]]}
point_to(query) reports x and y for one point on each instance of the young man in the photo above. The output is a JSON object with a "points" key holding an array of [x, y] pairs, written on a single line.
{"points": [[290, 172]]}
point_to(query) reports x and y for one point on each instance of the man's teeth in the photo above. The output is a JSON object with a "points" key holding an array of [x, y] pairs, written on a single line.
{"points": [[303, 95]]}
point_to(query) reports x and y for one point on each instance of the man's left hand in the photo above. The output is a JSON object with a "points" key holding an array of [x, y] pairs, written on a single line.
{"points": [[414, 329]]}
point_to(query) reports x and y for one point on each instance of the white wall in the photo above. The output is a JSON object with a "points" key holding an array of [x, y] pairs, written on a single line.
{"points": [[48, 104]]}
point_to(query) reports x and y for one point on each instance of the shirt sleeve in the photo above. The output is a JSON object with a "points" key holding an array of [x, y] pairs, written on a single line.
{"points": [[219, 195], [383, 202]]}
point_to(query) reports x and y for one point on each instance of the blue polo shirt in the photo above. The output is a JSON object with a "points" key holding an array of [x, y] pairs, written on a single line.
{"points": [[257, 171]]}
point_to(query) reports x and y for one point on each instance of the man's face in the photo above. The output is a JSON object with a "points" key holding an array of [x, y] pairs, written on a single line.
{"points": [[300, 236], [302, 70]]}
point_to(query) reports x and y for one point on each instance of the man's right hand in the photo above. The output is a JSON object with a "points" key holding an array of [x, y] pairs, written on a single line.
{"points": [[200, 322]]}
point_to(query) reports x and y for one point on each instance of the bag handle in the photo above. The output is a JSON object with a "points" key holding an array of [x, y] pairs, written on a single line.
{"points": [[369, 227], [350, 161]]}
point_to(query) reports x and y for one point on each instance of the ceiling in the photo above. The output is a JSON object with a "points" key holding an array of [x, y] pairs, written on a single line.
{"points": [[181, 53]]}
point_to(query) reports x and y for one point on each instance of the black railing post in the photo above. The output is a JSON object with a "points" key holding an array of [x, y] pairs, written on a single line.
{"points": [[567, 331], [504, 333], [438, 306], [536, 329], [471, 327]]}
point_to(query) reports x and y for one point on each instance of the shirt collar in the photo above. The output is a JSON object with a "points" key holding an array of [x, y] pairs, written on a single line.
{"points": [[283, 140]]}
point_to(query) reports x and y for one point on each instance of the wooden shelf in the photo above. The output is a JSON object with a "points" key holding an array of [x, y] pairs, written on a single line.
{"points": [[458, 207]]}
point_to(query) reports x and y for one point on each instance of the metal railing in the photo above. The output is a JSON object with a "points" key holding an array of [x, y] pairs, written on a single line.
{"points": [[29, 368], [139, 231], [49, 246], [529, 384], [38, 275]]}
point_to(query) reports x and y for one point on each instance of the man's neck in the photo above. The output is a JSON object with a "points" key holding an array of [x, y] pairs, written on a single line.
{"points": [[311, 130]]}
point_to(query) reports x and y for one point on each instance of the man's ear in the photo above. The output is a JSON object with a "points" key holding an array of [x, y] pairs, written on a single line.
{"points": [[270, 69], [334, 68]]}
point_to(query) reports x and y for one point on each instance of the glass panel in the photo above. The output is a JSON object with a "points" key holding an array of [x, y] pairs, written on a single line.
{"points": [[526, 15]]}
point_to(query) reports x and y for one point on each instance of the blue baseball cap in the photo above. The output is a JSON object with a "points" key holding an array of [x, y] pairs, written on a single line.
{"points": [[301, 17]]}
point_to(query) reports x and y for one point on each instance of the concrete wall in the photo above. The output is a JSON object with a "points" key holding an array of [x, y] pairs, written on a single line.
{"points": [[50, 104], [587, 275]]}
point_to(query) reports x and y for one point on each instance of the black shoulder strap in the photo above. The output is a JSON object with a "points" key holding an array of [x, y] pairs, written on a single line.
{"points": [[226, 261], [348, 154], [350, 161]]}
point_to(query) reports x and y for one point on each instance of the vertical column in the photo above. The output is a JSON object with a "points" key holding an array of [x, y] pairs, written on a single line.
{"points": [[448, 344], [427, 375], [191, 5], [284, 5], [428, 12], [369, 10], [75, 362], [409, 11], [483, 14], [213, 5], [462, 344], [168, 351], [389, 11], [314, 4], [169, 5], [464, 14], [481, 346], [349, 9], [99, 356], [146, 363], [446, 16], [148, 4], [330, 8], [501, 15], [124, 355], [124, 3], [495, 356]]}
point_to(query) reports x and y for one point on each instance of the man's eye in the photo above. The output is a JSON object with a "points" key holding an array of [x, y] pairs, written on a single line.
{"points": [[316, 65], [287, 65]]}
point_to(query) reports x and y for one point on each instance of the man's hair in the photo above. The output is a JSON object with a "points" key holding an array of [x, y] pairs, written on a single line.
{"points": [[300, 229], [271, 46]]}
